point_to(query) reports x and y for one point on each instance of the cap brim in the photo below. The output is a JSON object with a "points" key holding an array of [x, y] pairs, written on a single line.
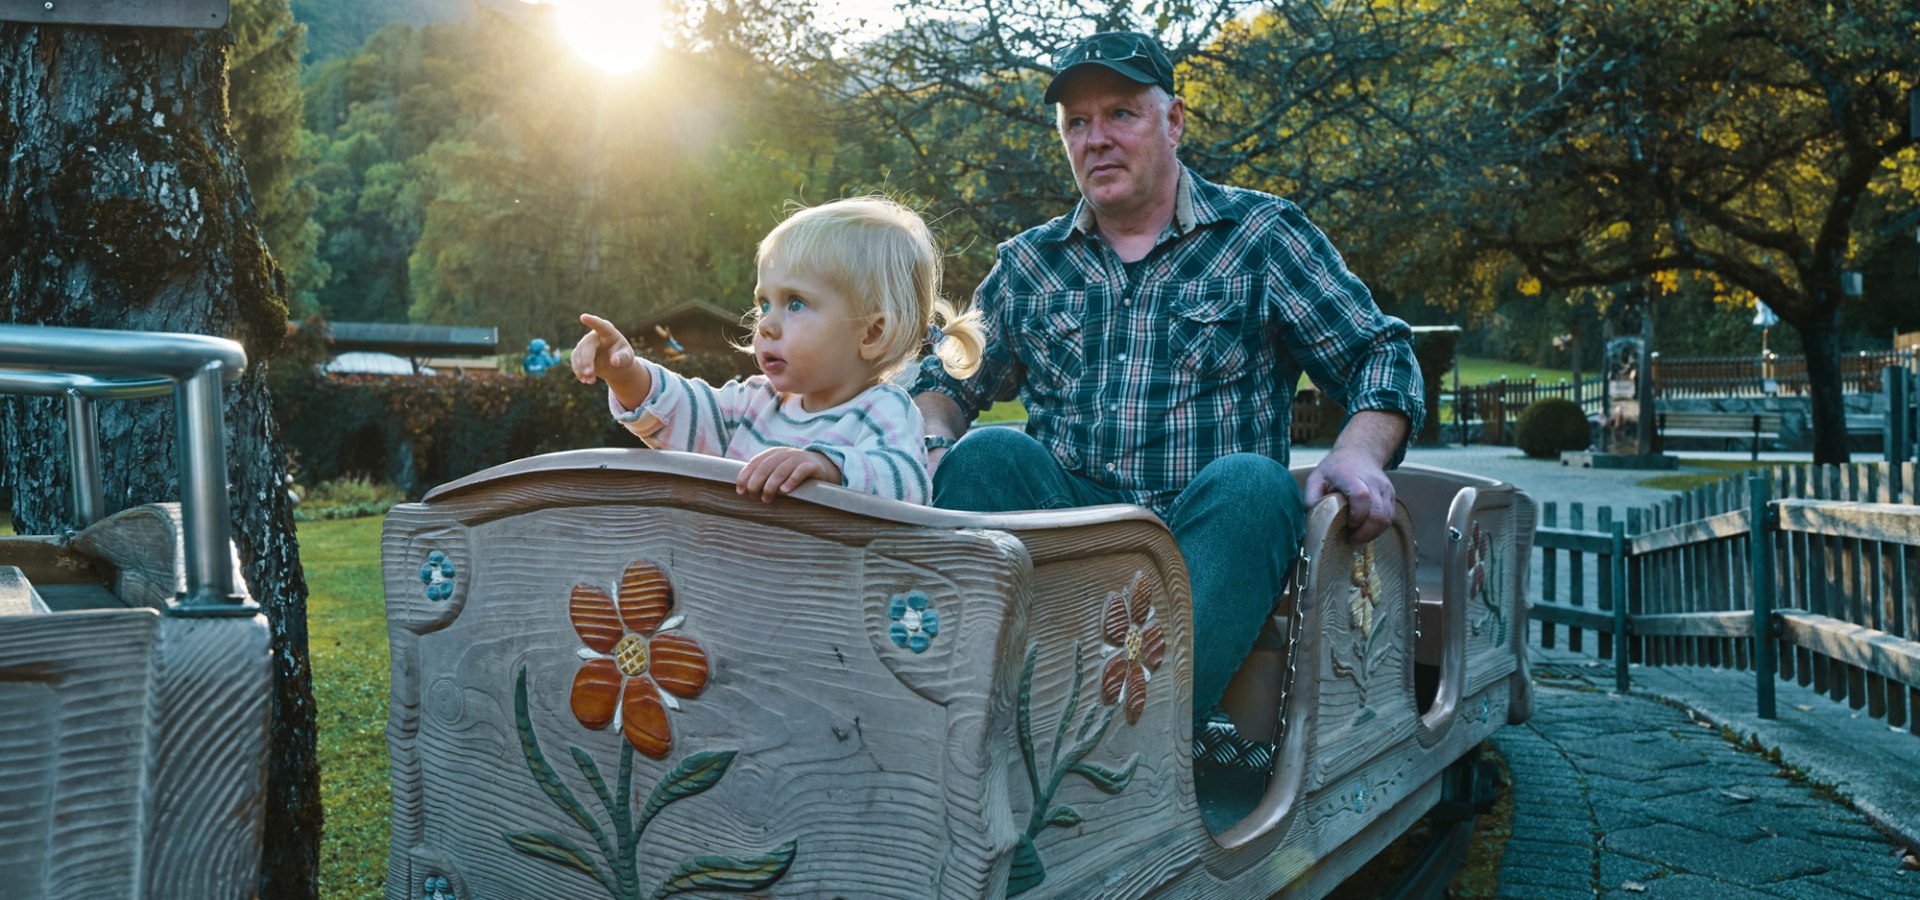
{"points": [[1059, 81]]}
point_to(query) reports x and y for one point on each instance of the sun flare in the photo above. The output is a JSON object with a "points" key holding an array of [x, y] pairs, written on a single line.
{"points": [[614, 35]]}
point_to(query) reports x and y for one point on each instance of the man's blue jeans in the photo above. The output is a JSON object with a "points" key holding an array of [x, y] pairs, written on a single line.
{"points": [[1238, 524]]}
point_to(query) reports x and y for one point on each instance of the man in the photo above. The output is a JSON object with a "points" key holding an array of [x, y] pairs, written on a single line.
{"points": [[1155, 336]]}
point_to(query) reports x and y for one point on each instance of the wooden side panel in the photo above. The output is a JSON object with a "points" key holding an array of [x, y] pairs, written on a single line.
{"points": [[1035, 742], [1102, 780], [817, 755], [207, 773], [73, 726]]}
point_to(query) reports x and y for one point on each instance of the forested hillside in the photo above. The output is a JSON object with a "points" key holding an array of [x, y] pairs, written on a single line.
{"points": [[338, 27], [1526, 168]]}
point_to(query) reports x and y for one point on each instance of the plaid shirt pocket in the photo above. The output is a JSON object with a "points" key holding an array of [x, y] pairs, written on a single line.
{"points": [[1053, 348], [1209, 327]]}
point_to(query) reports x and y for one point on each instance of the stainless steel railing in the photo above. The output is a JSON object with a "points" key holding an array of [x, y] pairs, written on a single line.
{"points": [[88, 365]]}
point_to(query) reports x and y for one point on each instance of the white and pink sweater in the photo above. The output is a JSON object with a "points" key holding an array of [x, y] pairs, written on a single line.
{"points": [[877, 438]]}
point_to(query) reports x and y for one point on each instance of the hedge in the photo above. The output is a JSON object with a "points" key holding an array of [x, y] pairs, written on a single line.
{"points": [[419, 431]]}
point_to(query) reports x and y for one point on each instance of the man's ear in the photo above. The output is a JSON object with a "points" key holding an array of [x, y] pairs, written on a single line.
{"points": [[1176, 119], [870, 342]]}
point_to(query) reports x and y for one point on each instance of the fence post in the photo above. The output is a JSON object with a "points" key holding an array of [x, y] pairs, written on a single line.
{"points": [[1618, 562], [1760, 552], [1899, 441]]}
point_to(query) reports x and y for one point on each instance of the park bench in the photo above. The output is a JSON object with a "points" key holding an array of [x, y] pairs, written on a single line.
{"points": [[133, 721], [613, 675], [1733, 427]]}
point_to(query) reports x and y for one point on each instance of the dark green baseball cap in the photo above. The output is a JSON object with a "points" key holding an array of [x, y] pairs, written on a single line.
{"points": [[1130, 53]]}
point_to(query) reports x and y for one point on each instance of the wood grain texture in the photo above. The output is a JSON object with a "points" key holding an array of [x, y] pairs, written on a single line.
{"points": [[73, 742], [207, 769], [144, 547], [891, 773]]}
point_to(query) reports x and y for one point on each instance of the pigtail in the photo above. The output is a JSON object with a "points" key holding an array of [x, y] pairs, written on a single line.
{"points": [[963, 338]]}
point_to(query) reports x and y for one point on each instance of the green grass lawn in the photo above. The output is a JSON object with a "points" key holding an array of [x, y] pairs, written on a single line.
{"points": [[347, 629], [1480, 370], [1686, 481]]}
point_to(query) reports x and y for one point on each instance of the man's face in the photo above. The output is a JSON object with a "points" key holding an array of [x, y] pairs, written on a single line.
{"points": [[1120, 137]]}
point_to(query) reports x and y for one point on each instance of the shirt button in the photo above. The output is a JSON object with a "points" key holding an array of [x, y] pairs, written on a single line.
{"points": [[1121, 358], [1113, 407], [1127, 302], [1113, 467]]}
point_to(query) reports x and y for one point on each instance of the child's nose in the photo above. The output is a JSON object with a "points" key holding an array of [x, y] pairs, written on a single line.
{"points": [[767, 325]]}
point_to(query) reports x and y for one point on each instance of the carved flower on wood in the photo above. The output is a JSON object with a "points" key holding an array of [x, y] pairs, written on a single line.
{"points": [[915, 623], [1137, 645], [636, 664]]}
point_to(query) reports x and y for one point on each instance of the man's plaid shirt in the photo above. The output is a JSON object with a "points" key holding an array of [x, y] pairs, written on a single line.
{"points": [[1137, 386]]}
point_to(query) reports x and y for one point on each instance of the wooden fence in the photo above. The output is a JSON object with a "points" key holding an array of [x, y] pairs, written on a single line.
{"points": [[1497, 404], [1757, 376], [1902, 387], [1832, 585]]}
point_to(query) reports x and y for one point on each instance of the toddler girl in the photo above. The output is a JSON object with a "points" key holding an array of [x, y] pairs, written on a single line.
{"points": [[847, 292]]}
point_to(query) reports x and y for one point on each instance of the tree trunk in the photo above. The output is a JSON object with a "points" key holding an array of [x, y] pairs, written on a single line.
{"points": [[123, 205], [1827, 400]]}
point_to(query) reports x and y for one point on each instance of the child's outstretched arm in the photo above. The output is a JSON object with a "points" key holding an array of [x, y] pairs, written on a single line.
{"points": [[781, 470], [604, 353]]}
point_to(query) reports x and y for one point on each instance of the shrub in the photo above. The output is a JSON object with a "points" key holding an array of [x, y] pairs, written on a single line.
{"points": [[346, 498], [1549, 426], [418, 431]]}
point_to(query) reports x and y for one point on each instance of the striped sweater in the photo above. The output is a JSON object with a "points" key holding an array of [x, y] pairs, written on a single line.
{"points": [[877, 438]]}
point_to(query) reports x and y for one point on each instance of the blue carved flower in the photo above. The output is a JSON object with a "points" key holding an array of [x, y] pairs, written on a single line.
{"points": [[1360, 799], [436, 887], [437, 574], [914, 622]]}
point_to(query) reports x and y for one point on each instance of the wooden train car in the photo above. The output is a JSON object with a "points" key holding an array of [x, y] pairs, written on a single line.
{"points": [[135, 673], [613, 676]]}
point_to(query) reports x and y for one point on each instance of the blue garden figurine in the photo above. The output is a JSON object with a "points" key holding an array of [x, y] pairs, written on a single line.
{"points": [[539, 357]]}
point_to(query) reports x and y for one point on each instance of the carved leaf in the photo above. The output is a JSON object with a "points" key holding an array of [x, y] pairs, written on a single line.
{"points": [[728, 873], [1028, 871], [543, 773], [1023, 716], [693, 775], [554, 848], [1064, 817], [1107, 780]]}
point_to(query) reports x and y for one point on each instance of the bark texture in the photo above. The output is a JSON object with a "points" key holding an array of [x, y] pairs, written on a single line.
{"points": [[123, 205]]}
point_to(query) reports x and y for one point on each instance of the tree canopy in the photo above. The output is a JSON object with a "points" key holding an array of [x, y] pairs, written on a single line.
{"points": [[1499, 162]]}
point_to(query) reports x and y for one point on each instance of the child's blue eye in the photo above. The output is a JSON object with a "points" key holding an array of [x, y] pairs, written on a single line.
{"points": [[763, 306], [795, 304]]}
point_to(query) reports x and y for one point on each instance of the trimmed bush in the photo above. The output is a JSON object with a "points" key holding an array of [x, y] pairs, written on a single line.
{"points": [[415, 432], [1549, 426]]}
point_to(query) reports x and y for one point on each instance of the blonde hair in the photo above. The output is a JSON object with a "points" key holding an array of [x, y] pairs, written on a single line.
{"points": [[882, 256]]}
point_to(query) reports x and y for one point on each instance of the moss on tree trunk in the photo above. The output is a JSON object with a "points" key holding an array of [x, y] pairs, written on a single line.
{"points": [[123, 205]]}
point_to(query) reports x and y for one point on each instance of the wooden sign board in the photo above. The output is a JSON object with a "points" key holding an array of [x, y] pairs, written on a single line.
{"points": [[145, 13]]}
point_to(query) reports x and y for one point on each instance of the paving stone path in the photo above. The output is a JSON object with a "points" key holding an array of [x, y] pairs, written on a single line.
{"points": [[1627, 797]]}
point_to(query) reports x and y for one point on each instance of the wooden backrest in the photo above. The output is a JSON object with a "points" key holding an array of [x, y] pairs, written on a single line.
{"points": [[870, 675], [1725, 421]]}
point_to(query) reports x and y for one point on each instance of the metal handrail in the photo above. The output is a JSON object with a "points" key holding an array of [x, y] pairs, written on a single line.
{"points": [[67, 362]]}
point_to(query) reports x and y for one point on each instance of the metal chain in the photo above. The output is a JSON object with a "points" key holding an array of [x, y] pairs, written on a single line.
{"points": [[1294, 620]]}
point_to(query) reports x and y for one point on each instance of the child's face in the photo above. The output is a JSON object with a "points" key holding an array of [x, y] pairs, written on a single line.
{"points": [[808, 341]]}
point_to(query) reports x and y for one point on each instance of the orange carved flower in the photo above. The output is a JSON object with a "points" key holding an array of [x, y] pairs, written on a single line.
{"points": [[1138, 645], [636, 665]]}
